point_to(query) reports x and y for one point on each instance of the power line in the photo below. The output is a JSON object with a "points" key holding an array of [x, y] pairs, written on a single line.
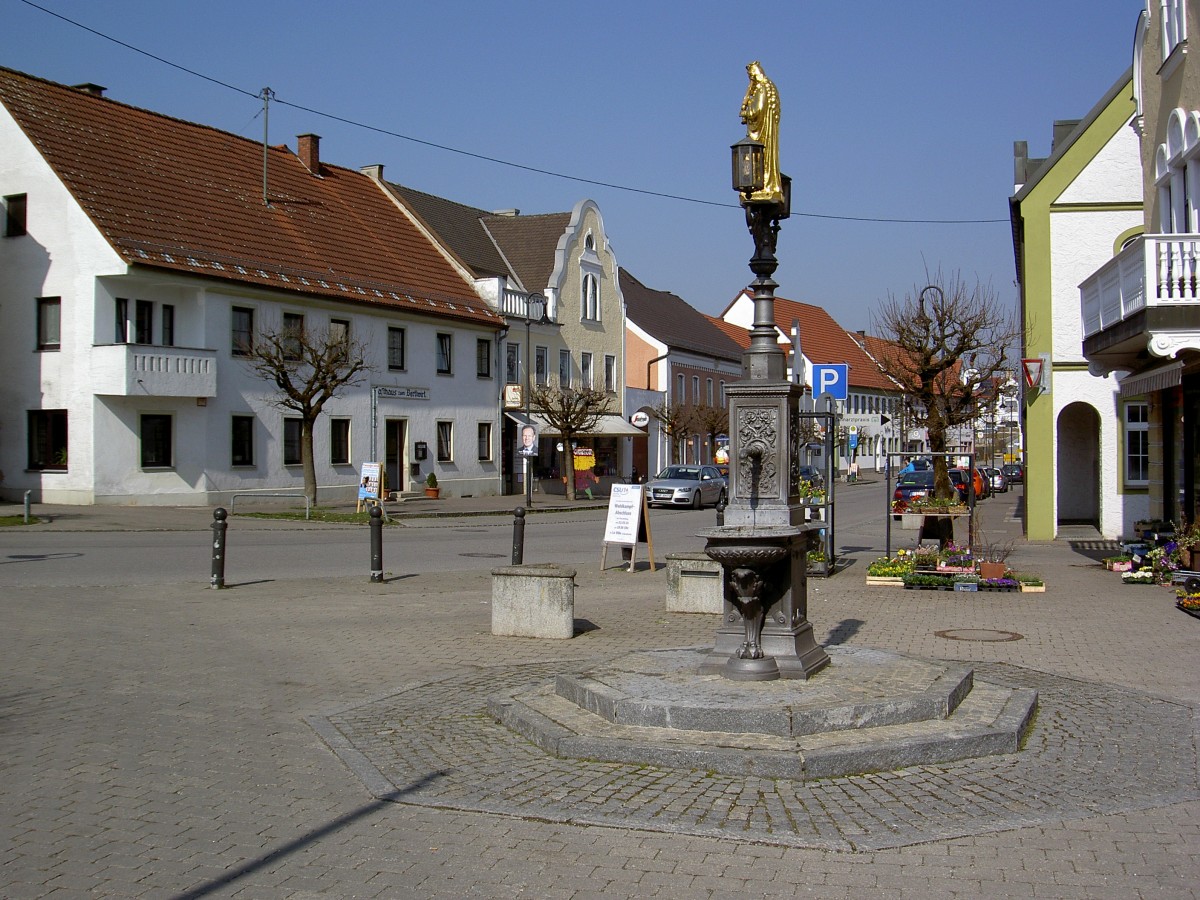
{"points": [[492, 159]]}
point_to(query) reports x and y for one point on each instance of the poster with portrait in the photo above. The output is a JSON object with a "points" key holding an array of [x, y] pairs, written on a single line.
{"points": [[527, 441]]}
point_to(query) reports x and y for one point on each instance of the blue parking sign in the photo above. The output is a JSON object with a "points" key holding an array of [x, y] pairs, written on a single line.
{"points": [[831, 378]]}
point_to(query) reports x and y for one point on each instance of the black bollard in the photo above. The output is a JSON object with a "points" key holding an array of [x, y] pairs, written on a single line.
{"points": [[376, 543], [218, 554], [518, 555], [721, 512]]}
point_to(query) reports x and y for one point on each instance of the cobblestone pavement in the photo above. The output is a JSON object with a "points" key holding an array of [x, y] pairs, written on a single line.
{"points": [[167, 741]]}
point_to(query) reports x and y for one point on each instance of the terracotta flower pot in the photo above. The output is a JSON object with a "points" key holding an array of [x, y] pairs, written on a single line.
{"points": [[992, 570], [432, 493]]}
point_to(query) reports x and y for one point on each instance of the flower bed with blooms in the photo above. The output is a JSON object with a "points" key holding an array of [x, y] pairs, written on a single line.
{"points": [[1187, 601], [1141, 576]]}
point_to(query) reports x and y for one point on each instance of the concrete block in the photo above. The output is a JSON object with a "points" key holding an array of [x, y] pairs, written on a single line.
{"points": [[533, 601], [693, 584]]}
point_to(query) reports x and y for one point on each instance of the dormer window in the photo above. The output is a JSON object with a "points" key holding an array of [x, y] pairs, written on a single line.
{"points": [[1174, 26]]}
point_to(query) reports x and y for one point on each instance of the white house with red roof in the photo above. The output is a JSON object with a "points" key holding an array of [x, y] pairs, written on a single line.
{"points": [[139, 254]]}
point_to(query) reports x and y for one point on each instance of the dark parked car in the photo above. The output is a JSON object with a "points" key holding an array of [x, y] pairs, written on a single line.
{"points": [[1013, 472], [813, 476]]}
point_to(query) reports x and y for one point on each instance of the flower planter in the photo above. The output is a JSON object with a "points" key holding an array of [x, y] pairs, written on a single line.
{"points": [[1033, 589], [1121, 566], [929, 587], [885, 581], [1191, 611]]}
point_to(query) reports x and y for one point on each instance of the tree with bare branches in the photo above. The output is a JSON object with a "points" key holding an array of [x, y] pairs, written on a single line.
{"points": [[675, 421], [710, 421], [949, 341], [570, 412], [310, 368]]}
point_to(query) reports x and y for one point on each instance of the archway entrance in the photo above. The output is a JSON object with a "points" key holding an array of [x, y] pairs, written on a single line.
{"points": [[1078, 465]]}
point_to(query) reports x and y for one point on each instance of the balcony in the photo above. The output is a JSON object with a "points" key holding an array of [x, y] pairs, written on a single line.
{"points": [[140, 370], [515, 305], [1147, 297]]}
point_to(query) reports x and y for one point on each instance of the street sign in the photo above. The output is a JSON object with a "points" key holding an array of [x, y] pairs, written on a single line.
{"points": [[862, 420], [832, 379]]}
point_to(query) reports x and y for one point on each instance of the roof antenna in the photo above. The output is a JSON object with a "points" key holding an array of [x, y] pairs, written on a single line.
{"points": [[266, 95]]}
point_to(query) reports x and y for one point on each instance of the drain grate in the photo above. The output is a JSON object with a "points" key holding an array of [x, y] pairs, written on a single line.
{"points": [[979, 634]]}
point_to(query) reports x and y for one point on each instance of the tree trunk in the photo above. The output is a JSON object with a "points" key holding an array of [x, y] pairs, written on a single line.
{"points": [[306, 459], [569, 465]]}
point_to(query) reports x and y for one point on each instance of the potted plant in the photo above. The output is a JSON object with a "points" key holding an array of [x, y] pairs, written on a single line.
{"points": [[992, 557], [432, 491]]}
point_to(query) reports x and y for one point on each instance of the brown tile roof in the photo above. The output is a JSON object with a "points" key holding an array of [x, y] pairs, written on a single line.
{"points": [[671, 320], [459, 227], [175, 195], [735, 333], [822, 340], [528, 243]]}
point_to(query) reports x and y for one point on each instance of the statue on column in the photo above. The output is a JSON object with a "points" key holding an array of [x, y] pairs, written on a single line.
{"points": [[760, 113]]}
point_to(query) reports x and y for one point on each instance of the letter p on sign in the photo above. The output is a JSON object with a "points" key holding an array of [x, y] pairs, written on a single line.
{"points": [[831, 378]]}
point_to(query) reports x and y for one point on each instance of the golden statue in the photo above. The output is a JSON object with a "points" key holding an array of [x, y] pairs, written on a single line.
{"points": [[760, 112]]}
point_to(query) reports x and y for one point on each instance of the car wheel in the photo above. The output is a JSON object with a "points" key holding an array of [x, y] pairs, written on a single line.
{"points": [[697, 500]]}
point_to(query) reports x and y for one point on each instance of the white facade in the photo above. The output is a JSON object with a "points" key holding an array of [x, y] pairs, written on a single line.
{"points": [[1083, 237], [192, 391]]}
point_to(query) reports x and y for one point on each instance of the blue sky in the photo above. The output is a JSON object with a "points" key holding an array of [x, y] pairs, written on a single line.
{"points": [[890, 111]]}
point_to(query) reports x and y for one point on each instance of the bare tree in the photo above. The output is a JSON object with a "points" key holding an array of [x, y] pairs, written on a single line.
{"points": [[570, 412], [309, 367], [710, 421], [675, 421], [949, 340]]}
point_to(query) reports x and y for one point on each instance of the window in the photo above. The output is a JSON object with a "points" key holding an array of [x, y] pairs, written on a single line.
{"points": [[512, 363], [291, 442], [445, 441], [485, 440], [48, 439], [1174, 25], [339, 335], [339, 442], [156, 441], [143, 322], [610, 373], [680, 389], [590, 299], [241, 330], [723, 401], [121, 323], [483, 357], [1137, 444], [241, 443], [49, 323], [709, 386], [585, 369], [395, 349], [445, 353], [564, 368], [14, 215], [168, 325], [540, 365], [293, 335], [695, 390]]}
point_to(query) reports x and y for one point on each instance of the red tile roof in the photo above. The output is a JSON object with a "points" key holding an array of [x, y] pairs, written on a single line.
{"points": [[176, 195]]}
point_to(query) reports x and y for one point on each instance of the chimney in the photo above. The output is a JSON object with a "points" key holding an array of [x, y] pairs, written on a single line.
{"points": [[508, 213], [308, 148], [374, 172], [96, 90]]}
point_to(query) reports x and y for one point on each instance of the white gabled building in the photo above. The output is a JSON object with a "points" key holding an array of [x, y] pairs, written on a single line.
{"points": [[139, 252]]}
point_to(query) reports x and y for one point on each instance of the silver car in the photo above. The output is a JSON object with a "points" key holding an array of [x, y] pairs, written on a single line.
{"points": [[693, 486], [999, 482]]}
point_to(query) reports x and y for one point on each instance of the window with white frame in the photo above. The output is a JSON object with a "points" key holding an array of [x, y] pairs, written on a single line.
{"points": [[541, 363], [121, 320], [512, 363], [168, 325], [445, 441], [339, 335], [49, 323], [485, 440], [293, 335], [590, 298], [395, 349], [241, 443], [585, 369], [1137, 444], [610, 373], [483, 358], [1174, 25], [47, 439], [156, 441], [339, 442], [241, 327], [291, 442], [564, 368]]}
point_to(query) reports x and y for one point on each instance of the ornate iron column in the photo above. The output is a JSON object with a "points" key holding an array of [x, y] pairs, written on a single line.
{"points": [[763, 544]]}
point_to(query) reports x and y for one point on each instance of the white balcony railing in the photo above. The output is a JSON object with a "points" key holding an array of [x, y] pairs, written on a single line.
{"points": [[516, 303], [125, 370], [1154, 270]]}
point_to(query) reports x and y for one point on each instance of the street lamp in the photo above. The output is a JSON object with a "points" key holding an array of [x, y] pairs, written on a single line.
{"points": [[535, 311]]}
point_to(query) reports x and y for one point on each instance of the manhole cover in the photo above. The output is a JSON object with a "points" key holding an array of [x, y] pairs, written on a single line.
{"points": [[978, 634], [484, 555]]}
